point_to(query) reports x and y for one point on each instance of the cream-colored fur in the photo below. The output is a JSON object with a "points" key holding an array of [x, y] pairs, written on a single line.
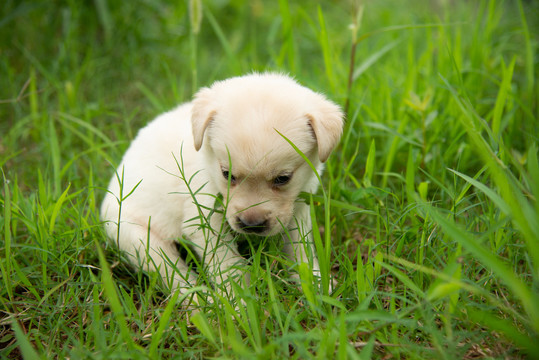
{"points": [[228, 141]]}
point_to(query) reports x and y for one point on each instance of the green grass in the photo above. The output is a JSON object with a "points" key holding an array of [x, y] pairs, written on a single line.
{"points": [[430, 201]]}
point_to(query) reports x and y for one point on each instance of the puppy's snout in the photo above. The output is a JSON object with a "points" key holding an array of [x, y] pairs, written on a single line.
{"points": [[250, 224]]}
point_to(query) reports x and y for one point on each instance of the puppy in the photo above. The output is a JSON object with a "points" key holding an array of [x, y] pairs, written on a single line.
{"points": [[231, 140]]}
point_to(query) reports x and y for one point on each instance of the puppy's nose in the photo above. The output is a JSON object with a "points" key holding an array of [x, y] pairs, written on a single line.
{"points": [[255, 226]]}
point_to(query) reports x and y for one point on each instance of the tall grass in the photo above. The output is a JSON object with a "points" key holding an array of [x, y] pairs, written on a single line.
{"points": [[428, 222]]}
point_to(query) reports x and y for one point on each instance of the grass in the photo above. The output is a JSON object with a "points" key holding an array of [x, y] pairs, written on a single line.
{"points": [[430, 201]]}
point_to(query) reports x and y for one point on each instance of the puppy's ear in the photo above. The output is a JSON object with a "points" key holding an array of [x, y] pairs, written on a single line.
{"points": [[202, 115], [326, 120]]}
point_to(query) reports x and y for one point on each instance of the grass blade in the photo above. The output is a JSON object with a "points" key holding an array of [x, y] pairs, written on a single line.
{"points": [[163, 322], [506, 327], [369, 165], [372, 59], [496, 199], [27, 350], [227, 47], [403, 278], [114, 300], [56, 209], [505, 88], [6, 270], [200, 321], [523, 215], [530, 63], [529, 300], [326, 51]]}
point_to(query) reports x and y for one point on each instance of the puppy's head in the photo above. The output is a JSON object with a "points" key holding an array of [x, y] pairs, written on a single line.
{"points": [[240, 123]]}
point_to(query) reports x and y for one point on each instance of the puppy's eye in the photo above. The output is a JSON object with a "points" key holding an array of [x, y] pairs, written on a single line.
{"points": [[282, 180], [227, 174]]}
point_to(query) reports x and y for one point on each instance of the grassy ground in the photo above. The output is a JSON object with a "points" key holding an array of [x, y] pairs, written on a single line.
{"points": [[431, 204]]}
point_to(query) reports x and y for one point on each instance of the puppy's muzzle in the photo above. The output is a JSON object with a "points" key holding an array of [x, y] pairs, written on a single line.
{"points": [[252, 225]]}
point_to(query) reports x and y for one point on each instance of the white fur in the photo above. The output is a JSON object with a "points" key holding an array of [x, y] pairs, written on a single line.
{"points": [[240, 119]]}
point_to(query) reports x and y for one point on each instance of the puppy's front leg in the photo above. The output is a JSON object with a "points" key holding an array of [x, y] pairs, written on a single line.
{"points": [[299, 245], [218, 253], [148, 250]]}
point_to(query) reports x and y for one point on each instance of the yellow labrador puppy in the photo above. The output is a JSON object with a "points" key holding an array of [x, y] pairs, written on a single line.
{"points": [[229, 140]]}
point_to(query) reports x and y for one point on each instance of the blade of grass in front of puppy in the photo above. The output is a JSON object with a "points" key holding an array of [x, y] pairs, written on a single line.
{"points": [[326, 275], [114, 300], [304, 157], [163, 322], [323, 260], [306, 277], [273, 299], [233, 337], [321, 250], [27, 350], [201, 323]]}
